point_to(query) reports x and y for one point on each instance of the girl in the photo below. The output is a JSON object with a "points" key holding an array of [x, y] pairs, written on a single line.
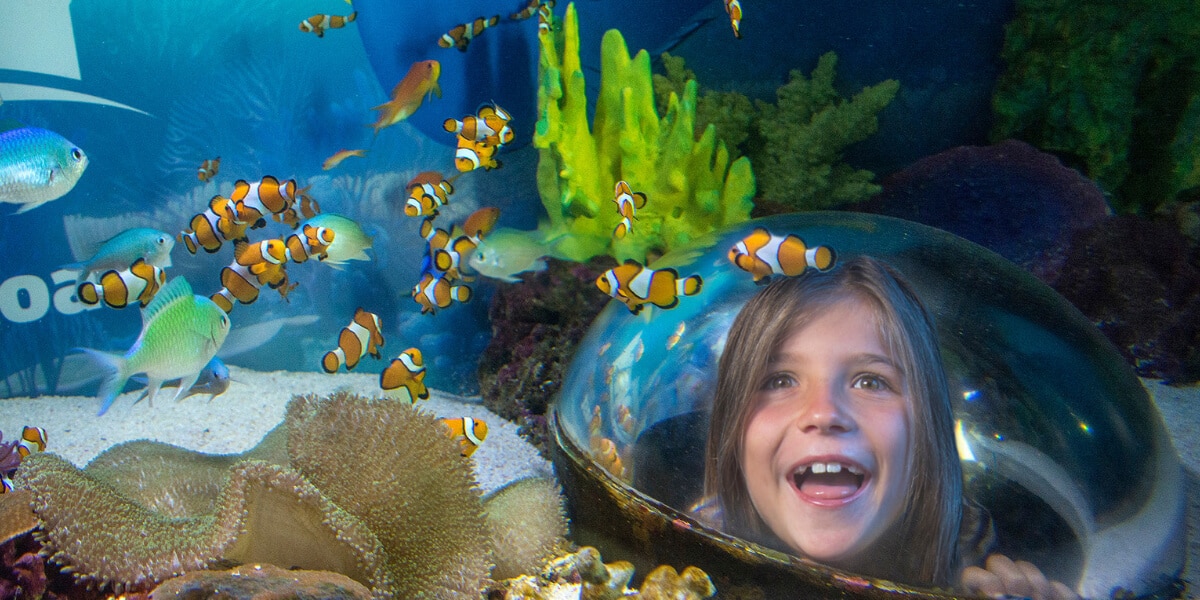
{"points": [[833, 437]]}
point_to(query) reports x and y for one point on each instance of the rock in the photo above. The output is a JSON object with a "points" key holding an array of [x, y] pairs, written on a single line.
{"points": [[262, 582]]}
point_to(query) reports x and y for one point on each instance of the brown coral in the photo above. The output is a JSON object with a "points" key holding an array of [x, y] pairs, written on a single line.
{"points": [[404, 519]]}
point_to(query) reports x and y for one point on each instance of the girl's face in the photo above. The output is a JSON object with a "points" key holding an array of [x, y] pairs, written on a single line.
{"points": [[825, 453]]}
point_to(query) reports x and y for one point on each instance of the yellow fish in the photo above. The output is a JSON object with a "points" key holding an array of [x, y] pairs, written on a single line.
{"points": [[339, 156], [407, 96], [472, 432]]}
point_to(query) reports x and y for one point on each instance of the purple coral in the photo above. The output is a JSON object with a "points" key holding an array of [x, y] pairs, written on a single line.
{"points": [[9, 459]]}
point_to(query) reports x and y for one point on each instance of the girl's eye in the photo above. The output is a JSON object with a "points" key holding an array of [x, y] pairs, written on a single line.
{"points": [[872, 383], [777, 381]]}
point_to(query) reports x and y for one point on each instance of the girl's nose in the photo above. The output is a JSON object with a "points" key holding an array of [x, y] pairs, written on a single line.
{"points": [[824, 410]]}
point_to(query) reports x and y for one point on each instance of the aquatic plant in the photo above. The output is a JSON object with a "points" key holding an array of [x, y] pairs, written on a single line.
{"points": [[1111, 88], [312, 513], [692, 185], [796, 144]]}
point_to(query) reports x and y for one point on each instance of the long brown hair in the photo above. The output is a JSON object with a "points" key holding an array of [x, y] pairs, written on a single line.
{"points": [[922, 547]]}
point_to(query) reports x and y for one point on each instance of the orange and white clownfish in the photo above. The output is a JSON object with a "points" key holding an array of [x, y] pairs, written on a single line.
{"points": [[636, 285], [545, 17], [426, 192], [461, 35], [406, 371], [319, 23], [471, 155], [449, 260], [208, 169], [254, 201], [628, 203], [734, 8], [33, 439], [763, 254], [489, 124], [217, 224], [358, 339], [310, 241], [118, 289], [254, 265], [529, 10], [471, 431], [434, 292], [266, 260], [436, 237]]}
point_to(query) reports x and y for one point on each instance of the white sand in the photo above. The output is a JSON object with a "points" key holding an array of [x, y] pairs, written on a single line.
{"points": [[238, 419]]}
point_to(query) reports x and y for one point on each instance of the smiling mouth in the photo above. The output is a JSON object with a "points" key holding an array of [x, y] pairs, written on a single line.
{"points": [[829, 480]]}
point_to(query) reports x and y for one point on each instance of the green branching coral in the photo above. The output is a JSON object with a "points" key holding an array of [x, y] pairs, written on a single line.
{"points": [[1113, 88], [405, 519], [692, 186], [796, 144]]}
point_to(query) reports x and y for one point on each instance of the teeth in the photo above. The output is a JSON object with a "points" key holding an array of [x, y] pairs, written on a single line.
{"points": [[833, 468]]}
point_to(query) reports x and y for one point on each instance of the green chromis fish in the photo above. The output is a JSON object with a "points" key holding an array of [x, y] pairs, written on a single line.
{"points": [[37, 166], [349, 239], [181, 333], [504, 253], [125, 248]]}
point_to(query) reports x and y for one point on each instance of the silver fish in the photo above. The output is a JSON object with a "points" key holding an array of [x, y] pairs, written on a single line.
{"points": [[37, 166], [504, 253]]}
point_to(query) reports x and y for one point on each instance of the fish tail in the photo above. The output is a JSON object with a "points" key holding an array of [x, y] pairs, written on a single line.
{"points": [[114, 382]]}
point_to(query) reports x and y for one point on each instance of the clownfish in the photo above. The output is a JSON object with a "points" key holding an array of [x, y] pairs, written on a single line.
{"points": [[628, 203], [762, 254], [118, 289], [545, 17], [309, 242], [449, 259], [472, 431], [436, 237], [489, 124], [461, 35], [319, 23], [33, 439], [636, 285], [734, 8], [209, 229], [254, 201], [531, 9], [358, 339], [420, 81], [604, 452], [208, 169], [434, 292], [426, 192], [471, 155], [253, 266], [339, 156], [408, 371]]}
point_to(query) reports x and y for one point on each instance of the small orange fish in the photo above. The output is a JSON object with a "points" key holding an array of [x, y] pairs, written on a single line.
{"points": [[217, 224], [311, 241], [426, 192], [437, 292], [734, 8], [489, 124], [339, 156], [253, 266], [628, 202], [407, 96], [358, 339], [636, 285], [208, 169], [545, 18], [118, 289], [461, 35], [472, 432], [33, 439], [763, 254], [319, 23], [408, 371], [471, 155]]}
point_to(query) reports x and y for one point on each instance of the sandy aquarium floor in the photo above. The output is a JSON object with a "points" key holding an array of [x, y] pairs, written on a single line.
{"points": [[254, 403]]}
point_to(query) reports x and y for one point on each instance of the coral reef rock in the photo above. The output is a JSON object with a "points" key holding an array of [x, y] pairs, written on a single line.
{"points": [[262, 582], [1008, 197], [404, 519], [583, 576]]}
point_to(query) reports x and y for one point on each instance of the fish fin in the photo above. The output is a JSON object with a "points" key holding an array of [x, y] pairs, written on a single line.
{"points": [[175, 290], [10, 124], [185, 384], [28, 207], [112, 384], [152, 387]]}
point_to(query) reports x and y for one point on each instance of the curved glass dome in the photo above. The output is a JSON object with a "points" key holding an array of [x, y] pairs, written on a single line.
{"points": [[1059, 441]]}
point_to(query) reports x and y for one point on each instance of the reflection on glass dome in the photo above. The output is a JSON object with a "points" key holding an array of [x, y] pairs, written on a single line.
{"points": [[1058, 440]]}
